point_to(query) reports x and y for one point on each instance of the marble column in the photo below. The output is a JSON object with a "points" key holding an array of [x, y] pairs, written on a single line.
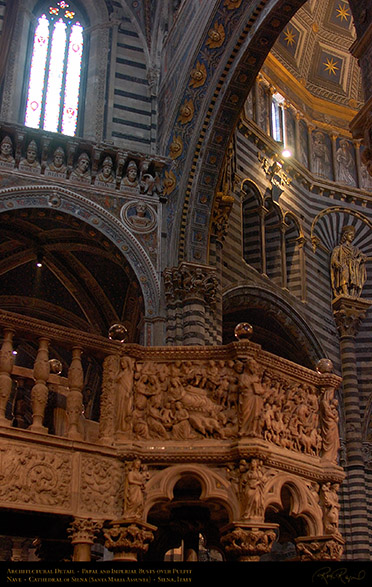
{"points": [[348, 314]]}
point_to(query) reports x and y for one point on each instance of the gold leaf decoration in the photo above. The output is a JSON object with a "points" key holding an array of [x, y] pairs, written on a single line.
{"points": [[169, 182], [232, 4], [216, 36], [198, 75], [186, 112], [176, 148]]}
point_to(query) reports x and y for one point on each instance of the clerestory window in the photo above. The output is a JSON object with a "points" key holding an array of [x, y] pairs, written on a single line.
{"points": [[277, 118], [55, 71]]}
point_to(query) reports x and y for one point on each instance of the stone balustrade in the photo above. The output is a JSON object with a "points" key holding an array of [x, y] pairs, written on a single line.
{"points": [[166, 395]]}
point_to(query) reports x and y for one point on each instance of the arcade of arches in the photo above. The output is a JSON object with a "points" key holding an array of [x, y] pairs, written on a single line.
{"points": [[186, 281]]}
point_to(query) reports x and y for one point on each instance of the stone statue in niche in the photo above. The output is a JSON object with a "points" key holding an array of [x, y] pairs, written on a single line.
{"points": [[6, 152], [348, 271], [57, 166], [81, 172], [136, 479], [321, 159], [366, 178], [106, 175], [30, 162], [130, 179], [304, 144], [345, 163]]}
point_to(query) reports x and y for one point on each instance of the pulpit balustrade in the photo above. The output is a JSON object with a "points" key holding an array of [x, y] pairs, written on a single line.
{"points": [[235, 406]]}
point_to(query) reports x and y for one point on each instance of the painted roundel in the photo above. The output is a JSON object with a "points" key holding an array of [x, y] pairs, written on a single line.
{"points": [[138, 216]]}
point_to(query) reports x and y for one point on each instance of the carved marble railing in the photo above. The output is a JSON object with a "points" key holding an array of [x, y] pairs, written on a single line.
{"points": [[170, 396], [232, 393], [74, 161], [243, 421], [21, 385]]}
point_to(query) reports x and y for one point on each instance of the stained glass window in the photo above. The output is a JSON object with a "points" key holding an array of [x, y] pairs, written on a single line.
{"points": [[54, 84], [277, 115]]}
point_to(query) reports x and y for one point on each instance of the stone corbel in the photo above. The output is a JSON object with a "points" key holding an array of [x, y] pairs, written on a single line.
{"points": [[220, 216]]}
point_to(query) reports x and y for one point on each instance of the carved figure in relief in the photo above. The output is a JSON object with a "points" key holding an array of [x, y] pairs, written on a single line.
{"points": [[124, 394], [251, 399], [106, 175], [345, 163], [181, 429], [329, 427], [134, 491], [155, 418], [81, 171], [6, 150], [30, 162], [331, 507], [252, 484], [321, 162], [348, 271]]}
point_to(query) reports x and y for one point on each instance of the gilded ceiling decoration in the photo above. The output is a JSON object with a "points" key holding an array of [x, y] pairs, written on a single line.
{"points": [[314, 48]]}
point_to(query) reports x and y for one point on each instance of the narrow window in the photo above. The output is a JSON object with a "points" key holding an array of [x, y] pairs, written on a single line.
{"points": [[54, 85], [277, 117]]}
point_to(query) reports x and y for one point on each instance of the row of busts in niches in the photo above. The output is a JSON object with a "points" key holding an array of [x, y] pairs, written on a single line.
{"points": [[133, 174]]}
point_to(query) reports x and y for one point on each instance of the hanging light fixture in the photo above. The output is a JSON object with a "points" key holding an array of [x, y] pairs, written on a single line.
{"points": [[39, 259]]}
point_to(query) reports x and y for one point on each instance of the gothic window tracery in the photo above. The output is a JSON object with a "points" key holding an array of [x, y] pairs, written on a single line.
{"points": [[55, 70]]}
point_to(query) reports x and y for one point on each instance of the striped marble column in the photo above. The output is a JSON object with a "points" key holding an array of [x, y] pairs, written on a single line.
{"points": [[348, 314], [190, 291]]}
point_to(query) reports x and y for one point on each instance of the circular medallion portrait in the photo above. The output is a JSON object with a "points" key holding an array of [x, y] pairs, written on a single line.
{"points": [[138, 216]]}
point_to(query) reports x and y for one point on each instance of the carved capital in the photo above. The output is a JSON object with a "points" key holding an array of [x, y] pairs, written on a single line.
{"points": [[348, 314], [319, 548], [188, 282], [83, 530], [248, 542], [128, 538]]}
